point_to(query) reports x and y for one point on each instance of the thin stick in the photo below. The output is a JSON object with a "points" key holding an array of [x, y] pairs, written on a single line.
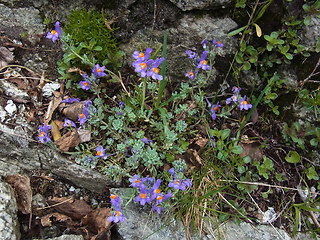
{"points": [[57, 204]]}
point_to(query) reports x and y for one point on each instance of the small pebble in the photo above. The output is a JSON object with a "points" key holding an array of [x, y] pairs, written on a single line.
{"points": [[11, 108]]}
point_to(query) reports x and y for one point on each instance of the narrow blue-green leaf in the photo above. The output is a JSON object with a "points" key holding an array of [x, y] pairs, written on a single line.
{"points": [[235, 32], [163, 82]]}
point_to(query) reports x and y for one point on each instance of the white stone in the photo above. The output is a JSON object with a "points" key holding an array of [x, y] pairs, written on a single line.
{"points": [[49, 88], [3, 114], [11, 108]]}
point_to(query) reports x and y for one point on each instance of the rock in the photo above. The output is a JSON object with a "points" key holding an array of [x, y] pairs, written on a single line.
{"points": [[11, 108], [49, 88], [12, 91], [312, 32], [187, 5], [188, 35], [21, 21], [3, 114], [9, 225], [28, 156], [66, 237], [35, 63], [140, 223]]}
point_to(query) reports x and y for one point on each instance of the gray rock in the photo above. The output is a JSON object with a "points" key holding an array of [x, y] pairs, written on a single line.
{"points": [[65, 237], [21, 154], [19, 21], [141, 223], [9, 225], [35, 63], [187, 5], [312, 32], [3, 114], [49, 88], [188, 35], [12, 91]]}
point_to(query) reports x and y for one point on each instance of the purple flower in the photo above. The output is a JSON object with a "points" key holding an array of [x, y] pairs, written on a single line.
{"points": [[146, 140], [54, 34], [85, 84], [204, 43], [87, 103], [180, 184], [115, 200], [172, 171], [235, 89], [100, 151], [143, 197], [190, 75], [244, 104], [191, 54], [83, 116], [217, 43], [121, 105], [135, 181], [148, 180], [175, 184], [203, 64], [117, 216], [157, 208], [67, 99], [161, 198], [43, 133], [69, 123], [142, 66], [213, 109], [99, 71], [233, 98], [154, 70], [155, 191], [142, 56]]}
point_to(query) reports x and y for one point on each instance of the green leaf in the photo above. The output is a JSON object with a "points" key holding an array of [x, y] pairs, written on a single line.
{"points": [[235, 32], [312, 174], [225, 133], [293, 157], [241, 169], [236, 149], [97, 48], [184, 145], [246, 66], [314, 142]]}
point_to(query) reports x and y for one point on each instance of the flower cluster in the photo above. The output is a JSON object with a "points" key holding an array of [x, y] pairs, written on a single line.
{"points": [[243, 104], [44, 133], [67, 99], [213, 108], [202, 62], [179, 184], [149, 193], [82, 117], [145, 66], [117, 215]]}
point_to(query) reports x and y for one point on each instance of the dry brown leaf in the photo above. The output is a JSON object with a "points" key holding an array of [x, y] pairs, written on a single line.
{"points": [[200, 141], [76, 209], [196, 156], [104, 235], [22, 190], [6, 57], [59, 124], [46, 220], [255, 116], [67, 141], [30, 115], [54, 103], [97, 220], [55, 131], [20, 83], [72, 110], [253, 150]]}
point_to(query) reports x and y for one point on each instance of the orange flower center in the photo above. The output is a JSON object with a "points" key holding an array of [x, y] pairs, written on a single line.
{"points": [[219, 42], [114, 196], [156, 70], [53, 32], [204, 62], [141, 55], [66, 97], [69, 123], [159, 198], [99, 153], [143, 65], [81, 115], [158, 191], [137, 181], [142, 195], [118, 213], [215, 108], [85, 84], [244, 102], [41, 134], [99, 70], [191, 74]]}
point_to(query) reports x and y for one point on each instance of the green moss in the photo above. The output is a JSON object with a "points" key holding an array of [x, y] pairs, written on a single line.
{"points": [[89, 27]]}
